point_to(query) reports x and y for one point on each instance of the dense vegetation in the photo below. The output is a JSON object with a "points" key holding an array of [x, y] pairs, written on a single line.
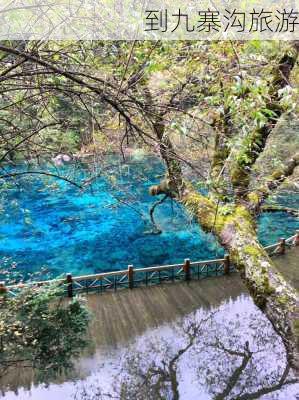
{"points": [[40, 330]]}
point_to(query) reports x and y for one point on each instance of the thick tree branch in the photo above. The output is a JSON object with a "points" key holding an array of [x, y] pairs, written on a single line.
{"points": [[277, 208], [224, 132], [254, 143], [259, 195], [235, 229]]}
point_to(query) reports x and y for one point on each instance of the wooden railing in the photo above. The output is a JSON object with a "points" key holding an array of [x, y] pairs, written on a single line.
{"points": [[136, 277], [280, 247]]}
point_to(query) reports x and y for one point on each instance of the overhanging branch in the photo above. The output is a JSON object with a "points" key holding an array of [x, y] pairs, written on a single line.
{"points": [[277, 208], [16, 174]]}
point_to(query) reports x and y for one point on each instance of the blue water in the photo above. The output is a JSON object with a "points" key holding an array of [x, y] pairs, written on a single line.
{"points": [[49, 227]]}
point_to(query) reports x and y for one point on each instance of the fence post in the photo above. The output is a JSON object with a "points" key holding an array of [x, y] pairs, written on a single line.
{"points": [[131, 276], [186, 268], [296, 239], [69, 280], [226, 264], [282, 246], [3, 288]]}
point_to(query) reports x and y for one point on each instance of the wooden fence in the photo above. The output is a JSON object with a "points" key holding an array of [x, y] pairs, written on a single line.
{"points": [[136, 277]]}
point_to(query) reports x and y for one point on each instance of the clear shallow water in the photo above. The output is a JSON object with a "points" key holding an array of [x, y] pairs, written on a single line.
{"points": [[50, 227]]}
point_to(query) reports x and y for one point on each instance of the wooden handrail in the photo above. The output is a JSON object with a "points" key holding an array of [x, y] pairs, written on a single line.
{"points": [[207, 262], [126, 272]]}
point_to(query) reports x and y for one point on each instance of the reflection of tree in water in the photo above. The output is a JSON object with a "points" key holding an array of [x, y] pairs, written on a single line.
{"points": [[208, 355]]}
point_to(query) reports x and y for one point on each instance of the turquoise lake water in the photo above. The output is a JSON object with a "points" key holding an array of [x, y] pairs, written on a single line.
{"points": [[49, 227]]}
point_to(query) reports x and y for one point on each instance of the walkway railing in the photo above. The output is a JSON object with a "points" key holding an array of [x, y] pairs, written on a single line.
{"points": [[136, 277]]}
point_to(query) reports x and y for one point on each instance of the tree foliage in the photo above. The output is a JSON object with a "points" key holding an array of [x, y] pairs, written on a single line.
{"points": [[39, 329]]}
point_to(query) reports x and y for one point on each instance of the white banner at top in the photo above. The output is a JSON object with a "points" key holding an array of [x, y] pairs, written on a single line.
{"points": [[148, 19]]}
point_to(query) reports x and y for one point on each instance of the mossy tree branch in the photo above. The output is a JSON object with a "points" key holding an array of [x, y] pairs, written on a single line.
{"points": [[223, 133], [254, 143], [277, 208], [174, 171], [258, 196], [234, 224], [235, 229]]}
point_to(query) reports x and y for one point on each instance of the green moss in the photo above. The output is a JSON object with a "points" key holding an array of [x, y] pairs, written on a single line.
{"points": [[268, 289], [239, 175], [220, 155], [200, 206], [252, 250], [263, 287], [284, 299], [238, 216], [276, 174], [253, 197], [226, 210]]}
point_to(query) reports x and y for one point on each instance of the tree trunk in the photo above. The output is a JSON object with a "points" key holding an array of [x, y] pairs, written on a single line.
{"points": [[172, 185], [235, 229], [270, 291]]}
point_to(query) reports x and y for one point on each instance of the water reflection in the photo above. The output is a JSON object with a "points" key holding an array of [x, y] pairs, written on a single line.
{"points": [[226, 352]]}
